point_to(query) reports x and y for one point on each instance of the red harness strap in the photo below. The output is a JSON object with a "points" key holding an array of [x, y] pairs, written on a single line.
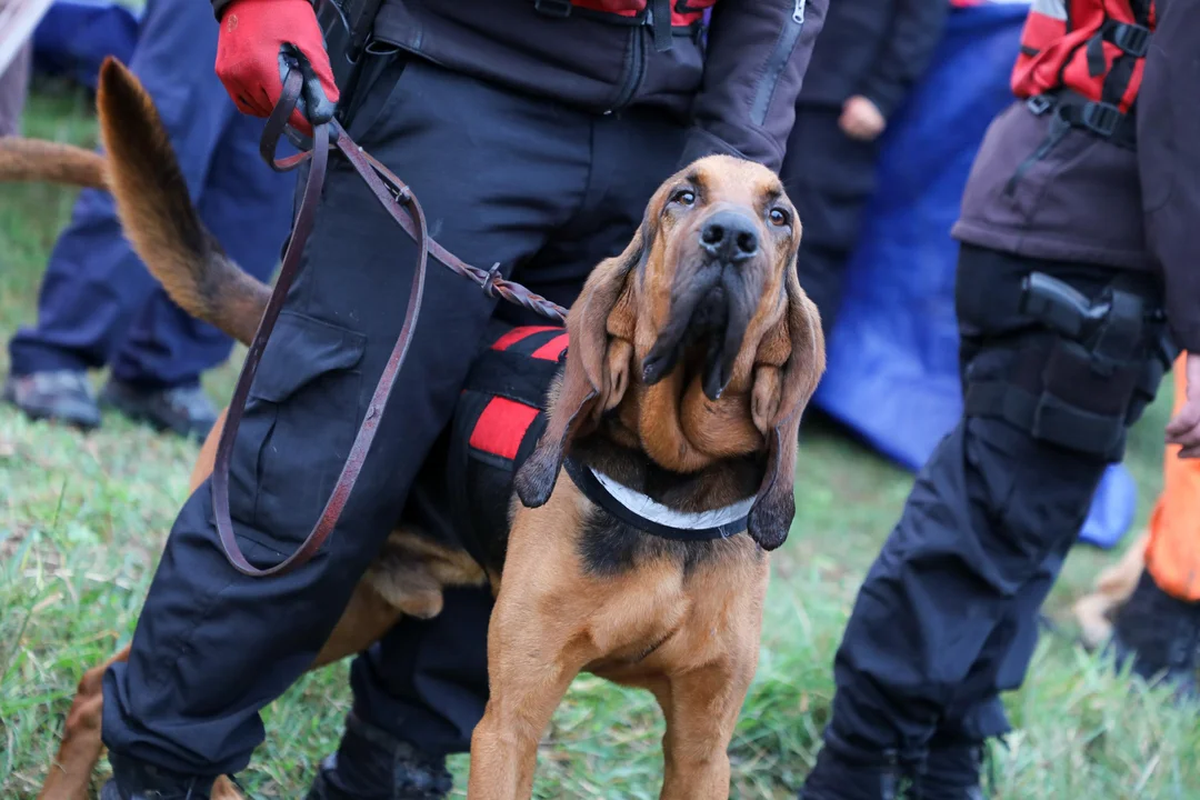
{"points": [[504, 423]]}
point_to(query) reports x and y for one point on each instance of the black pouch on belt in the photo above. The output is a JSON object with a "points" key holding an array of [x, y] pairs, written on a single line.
{"points": [[1081, 383]]}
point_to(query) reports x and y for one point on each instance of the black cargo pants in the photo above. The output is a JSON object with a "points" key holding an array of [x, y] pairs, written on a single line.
{"points": [[544, 190], [947, 617]]}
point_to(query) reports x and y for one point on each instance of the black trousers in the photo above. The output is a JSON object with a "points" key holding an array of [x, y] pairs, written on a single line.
{"points": [[947, 617], [830, 178], [545, 191]]}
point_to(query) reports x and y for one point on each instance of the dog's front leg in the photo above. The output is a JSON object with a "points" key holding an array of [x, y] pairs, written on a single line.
{"points": [[537, 644], [529, 671], [701, 708]]}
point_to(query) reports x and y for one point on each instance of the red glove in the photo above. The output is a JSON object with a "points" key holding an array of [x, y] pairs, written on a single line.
{"points": [[259, 42]]}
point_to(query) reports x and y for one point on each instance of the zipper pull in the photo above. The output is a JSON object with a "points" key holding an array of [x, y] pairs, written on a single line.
{"points": [[798, 12]]}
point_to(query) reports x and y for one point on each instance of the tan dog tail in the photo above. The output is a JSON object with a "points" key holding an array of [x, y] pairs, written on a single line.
{"points": [[158, 217], [39, 160]]}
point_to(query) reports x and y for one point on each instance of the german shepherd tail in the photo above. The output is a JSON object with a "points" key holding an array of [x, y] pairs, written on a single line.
{"points": [[34, 159]]}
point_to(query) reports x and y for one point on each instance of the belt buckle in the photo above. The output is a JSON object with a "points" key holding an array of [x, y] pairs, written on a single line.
{"points": [[560, 9], [1101, 118], [1039, 104]]}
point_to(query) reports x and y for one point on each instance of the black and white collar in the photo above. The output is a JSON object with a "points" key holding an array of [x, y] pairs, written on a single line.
{"points": [[650, 516]]}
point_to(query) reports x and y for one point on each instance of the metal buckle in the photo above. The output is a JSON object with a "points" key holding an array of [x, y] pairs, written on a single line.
{"points": [[1132, 39], [1039, 104], [561, 9], [1101, 118]]}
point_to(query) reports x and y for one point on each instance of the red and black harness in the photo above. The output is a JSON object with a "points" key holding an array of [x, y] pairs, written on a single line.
{"points": [[499, 418], [1093, 83]]}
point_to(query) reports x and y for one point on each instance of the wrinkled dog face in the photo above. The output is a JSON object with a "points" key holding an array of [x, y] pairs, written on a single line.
{"points": [[724, 238], [698, 336]]}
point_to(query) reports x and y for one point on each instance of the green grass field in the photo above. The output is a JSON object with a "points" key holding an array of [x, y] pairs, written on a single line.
{"points": [[82, 521]]}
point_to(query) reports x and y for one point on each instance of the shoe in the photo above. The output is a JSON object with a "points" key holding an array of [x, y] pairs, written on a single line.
{"points": [[184, 410], [1161, 636], [137, 780], [57, 395], [835, 778], [951, 772], [371, 764]]}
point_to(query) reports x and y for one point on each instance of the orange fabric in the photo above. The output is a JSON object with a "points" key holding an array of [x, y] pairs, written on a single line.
{"points": [[1173, 549]]}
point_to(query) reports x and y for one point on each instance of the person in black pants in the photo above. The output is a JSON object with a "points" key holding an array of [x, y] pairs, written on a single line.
{"points": [[98, 306], [869, 56], [1076, 284], [534, 134]]}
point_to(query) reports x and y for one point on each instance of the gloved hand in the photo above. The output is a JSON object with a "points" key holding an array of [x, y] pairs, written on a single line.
{"points": [[259, 42]]}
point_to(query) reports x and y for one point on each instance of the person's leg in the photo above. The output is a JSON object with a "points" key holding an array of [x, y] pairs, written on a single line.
{"points": [[830, 178], [94, 282], [425, 683], [954, 762], [958, 583], [247, 206], [213, 647]]}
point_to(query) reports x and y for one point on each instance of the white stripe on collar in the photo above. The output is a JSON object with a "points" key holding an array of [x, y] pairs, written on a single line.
{"points": [[654, 511]]}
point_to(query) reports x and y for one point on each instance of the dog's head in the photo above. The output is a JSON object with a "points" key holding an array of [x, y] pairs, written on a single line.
{"points": [[698, 338]]}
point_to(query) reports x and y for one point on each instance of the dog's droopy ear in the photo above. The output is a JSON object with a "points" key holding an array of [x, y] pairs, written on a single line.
{"points": [[783, 394], [599, 357]]}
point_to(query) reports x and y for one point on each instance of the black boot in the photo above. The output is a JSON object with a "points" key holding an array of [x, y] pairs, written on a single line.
{"points": [[137, 780], [373, 765], [836, 778], [58, 395], [950, 772], [1161, 635], [183, 410]]}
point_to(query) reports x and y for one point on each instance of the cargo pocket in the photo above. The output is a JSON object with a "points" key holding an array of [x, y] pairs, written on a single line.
{"points": [[300, 422]]}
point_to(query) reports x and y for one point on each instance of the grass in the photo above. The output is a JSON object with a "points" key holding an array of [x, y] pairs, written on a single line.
{"points": [[82, 521]]}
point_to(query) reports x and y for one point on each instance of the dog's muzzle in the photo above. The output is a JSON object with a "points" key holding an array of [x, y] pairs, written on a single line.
{"points": [[711, 305]]}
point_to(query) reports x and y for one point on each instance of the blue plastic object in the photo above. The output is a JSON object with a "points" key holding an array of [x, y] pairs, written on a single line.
{"points": [[893, 354], [75, 36]]}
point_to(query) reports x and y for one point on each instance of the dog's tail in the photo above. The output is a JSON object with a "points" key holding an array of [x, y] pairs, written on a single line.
{"points": [[39, 160], [158, 217]]}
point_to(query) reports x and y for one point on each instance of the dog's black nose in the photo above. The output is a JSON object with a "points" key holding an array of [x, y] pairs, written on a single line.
{"points": [[730, 236]]}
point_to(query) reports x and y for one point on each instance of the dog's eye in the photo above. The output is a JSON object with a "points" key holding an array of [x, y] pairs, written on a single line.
{"points": [[779, 217], [684, 197]]}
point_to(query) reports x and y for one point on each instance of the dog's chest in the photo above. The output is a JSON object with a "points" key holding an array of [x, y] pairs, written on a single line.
{"points": [[463, 495]]}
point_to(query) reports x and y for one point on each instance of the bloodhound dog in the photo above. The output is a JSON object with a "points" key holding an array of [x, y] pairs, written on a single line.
{"points": [[691, 357]]}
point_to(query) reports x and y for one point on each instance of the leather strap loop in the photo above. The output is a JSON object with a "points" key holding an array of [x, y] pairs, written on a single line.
{"points": [[401, 204]]}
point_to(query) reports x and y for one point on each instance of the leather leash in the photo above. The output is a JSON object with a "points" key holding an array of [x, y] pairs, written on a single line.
{"points": [[401, 204]]}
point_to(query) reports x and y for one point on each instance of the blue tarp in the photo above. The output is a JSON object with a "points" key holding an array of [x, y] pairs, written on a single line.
{"points": [[893, 355], [75, 36]]}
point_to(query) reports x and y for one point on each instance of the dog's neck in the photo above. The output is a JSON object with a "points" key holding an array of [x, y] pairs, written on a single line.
{"points": [[679, 428], [725, 483]]}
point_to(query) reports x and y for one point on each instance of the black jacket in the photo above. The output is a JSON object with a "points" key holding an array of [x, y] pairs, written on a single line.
{"points": [[739, 96], [874, 48], [1089, 201]]}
